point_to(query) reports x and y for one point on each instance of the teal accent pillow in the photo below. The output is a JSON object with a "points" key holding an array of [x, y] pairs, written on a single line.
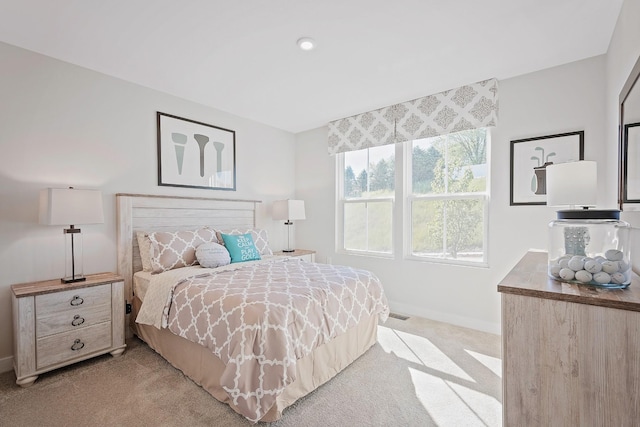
{"points": [[241, 247]]}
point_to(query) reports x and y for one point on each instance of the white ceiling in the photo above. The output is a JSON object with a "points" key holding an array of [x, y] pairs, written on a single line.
{"points": [[241, 56]]}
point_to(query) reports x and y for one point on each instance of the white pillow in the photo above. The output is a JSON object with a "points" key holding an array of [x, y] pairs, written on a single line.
{"points": [[212, 255]]}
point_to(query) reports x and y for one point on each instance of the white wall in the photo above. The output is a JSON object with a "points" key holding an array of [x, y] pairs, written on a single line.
{"points": [[62, 125], [561, 99], [624, 51]]}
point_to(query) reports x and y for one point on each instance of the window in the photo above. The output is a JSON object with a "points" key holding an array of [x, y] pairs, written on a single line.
{"points": [[367, 179], [445, 198]]}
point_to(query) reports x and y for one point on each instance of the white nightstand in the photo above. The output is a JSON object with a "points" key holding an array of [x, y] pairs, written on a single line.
{"points": [[305, 254], [56, 324]]}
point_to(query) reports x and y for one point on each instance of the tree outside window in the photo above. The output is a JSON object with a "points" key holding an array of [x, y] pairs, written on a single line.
{"points": [[368, 193], [448, 196]]}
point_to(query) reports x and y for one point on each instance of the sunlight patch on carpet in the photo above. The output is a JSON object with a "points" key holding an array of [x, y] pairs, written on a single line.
{"points": [[492, 363], [391, 343], [419, 350], [451, 404], [485, 407]]}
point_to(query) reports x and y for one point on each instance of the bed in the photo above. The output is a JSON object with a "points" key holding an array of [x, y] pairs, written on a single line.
{"points": [[270, 365]]}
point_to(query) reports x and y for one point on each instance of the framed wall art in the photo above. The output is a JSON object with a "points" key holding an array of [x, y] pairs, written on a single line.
{"points": [[195, 155], [631, 164], [531, 156]]}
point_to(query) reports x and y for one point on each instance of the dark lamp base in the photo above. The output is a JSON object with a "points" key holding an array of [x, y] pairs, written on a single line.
{"points": [[77, 279]]}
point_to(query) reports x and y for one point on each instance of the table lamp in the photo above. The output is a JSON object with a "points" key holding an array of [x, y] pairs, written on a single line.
{"points": [[72, 207], [288, 210]]}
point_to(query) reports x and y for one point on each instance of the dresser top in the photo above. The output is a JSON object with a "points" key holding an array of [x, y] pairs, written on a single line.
{"points": [[529, 278], [49, 286]]}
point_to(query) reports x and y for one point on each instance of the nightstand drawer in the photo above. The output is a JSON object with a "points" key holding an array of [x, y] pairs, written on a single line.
{"points": [[69, 345], [73, 299], [72, 320]]}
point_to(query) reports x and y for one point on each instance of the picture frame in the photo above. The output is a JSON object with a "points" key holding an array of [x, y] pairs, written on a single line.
{"points": [[531, 156], [193, 154], [631, 163]]}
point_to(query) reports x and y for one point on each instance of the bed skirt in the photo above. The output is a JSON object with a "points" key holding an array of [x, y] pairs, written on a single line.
{"points": [[205, 368]]}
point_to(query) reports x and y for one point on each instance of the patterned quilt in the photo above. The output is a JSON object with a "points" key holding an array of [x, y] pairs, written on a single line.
{"points": [[261, 317]]}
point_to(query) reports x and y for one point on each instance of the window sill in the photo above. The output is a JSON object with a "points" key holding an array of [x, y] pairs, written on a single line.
{"points": [[367, 254], [445, 261]]}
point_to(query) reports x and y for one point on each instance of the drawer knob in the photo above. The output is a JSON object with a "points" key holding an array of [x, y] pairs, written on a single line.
{"points": [[76, 300], [77, 320], [77, 345]]}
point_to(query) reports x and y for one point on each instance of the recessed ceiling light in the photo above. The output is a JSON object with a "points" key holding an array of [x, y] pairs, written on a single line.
{"points": [[306, 43]]}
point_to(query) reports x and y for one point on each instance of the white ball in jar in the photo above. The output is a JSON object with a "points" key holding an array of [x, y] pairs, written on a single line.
{"points": [[602, 277], [623, 266], [610, 267], [618, 278], [564, 262], [600, 259], [554, 270], [614, 255], [567, 274], [593, 266], [583, 276], [576, 263]]}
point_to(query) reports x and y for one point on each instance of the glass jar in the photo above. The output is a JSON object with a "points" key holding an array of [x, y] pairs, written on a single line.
{"points": [[590, 247]]}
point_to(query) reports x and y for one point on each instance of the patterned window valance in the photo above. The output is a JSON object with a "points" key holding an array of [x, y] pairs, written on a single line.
{"points": [[468, 107]]}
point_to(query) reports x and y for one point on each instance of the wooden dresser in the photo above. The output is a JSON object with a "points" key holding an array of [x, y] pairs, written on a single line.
{"points": [[571, 353], [56, 324]]}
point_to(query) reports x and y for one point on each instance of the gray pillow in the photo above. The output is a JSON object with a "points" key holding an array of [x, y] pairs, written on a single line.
{"points": [[212, 255]]}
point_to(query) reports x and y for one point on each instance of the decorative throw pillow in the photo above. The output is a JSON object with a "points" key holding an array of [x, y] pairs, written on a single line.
{"points": [[212, 255], [240, 247], [144, 247], [176, 249], [260, 238]]}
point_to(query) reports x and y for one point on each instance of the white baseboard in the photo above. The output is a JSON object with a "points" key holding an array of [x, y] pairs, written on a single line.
{"points": [[6, 364], [466, 322]]}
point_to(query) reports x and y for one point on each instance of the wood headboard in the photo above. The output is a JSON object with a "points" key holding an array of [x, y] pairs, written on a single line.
{"points": [[137, 212]]}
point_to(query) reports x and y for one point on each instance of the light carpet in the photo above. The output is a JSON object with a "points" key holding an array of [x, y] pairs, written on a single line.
{"points": [[421, 373]]}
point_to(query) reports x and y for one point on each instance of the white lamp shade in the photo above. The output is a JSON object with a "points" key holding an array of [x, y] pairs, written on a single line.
{"points": [[572, 184], [288, 209], [69, 206]]}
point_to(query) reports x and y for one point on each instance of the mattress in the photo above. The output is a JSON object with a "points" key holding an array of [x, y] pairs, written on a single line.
{"points": [[141, 281]]}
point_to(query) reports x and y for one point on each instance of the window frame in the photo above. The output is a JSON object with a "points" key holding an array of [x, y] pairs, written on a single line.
{"points": [[409, 197], [340, 212], [403, 199]]}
